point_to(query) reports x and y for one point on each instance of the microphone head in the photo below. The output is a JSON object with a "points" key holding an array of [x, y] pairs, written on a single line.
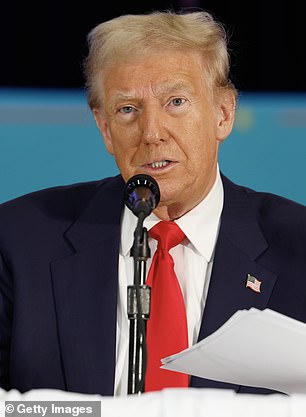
{"points": [[142, 194]]}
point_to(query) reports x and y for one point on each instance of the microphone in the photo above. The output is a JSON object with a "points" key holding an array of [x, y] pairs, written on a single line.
{"points": [[142, 194]]}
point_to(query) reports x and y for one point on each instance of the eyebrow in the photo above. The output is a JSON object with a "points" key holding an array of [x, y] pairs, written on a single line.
{"points": [[177, 86], [167, 87], [118, 97]]}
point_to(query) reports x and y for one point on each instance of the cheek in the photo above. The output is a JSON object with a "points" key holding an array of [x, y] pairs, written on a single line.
{"points": [[205, 142], [123, 163], [122, 153], [123, 137], [124, 149], [202, 157], [198, 142]]}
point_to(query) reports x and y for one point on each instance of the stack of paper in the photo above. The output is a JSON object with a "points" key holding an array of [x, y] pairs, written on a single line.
{"points": [[254, 348]]}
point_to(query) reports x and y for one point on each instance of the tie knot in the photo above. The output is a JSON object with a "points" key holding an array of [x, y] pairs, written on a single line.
{"points": [[168, 234]]}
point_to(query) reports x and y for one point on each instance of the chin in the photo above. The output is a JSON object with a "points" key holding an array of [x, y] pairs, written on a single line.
{"points": [[168, 197]]}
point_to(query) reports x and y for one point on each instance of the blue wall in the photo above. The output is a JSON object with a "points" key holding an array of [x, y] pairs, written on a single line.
{"points": [[48, 137]]}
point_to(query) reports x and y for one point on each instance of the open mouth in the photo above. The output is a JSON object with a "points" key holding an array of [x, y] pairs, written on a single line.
{"points": [[159, 164]]}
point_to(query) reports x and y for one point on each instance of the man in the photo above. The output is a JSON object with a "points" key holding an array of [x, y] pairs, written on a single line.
{"points": [[159, 90]]}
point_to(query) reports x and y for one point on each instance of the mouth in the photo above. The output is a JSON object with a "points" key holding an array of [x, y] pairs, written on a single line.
{"points": [[160, 165]]}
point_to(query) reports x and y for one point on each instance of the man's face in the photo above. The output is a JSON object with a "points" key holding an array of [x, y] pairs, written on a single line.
{"points": [[159, 118]]}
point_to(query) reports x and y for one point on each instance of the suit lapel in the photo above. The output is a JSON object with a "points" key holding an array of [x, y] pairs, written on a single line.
{"points": [[239, 245], [227, 291], [85, 289]]}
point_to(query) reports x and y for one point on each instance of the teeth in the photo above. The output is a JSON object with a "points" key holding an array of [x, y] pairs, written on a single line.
{"points": [[159, 164]]}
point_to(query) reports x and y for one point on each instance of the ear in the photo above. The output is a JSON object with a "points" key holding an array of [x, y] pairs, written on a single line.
{"points": [[226, 104], [104, 130]]}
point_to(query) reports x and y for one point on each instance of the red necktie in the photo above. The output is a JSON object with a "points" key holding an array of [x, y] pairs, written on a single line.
{"points": [[167, 326]]}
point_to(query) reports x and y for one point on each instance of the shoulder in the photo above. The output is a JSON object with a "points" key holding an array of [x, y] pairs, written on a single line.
{"points": [[61, 202], [278, 217], [266, 202]]}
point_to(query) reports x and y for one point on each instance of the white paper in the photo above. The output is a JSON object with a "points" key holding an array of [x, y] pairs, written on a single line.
{"points": [[254, 348]]}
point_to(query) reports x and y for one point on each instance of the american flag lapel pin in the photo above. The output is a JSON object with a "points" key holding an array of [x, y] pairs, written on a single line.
{"points": [[253, 283]]}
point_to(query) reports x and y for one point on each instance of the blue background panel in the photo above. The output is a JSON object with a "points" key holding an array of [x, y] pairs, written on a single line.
{"points": [[48, 138]]}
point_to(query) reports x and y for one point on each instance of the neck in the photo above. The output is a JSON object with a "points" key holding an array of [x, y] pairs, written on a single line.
{"points": [[173, 210]]}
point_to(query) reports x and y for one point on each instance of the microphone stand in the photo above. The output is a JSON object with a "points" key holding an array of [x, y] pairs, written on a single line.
{"points": [[138, 309]]}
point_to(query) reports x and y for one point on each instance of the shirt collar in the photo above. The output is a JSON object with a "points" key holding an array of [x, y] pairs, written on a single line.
{"points": [[205, 217]]}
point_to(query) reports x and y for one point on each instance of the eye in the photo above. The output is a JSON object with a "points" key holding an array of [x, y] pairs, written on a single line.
{"points": [[178, 101], [126, 109]]}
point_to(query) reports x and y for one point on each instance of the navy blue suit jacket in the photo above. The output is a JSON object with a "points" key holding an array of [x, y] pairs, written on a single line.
{"points": [[58, 279]]}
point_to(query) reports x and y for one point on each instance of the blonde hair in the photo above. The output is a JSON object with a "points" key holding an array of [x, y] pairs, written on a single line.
{"points": [[130, 37]]}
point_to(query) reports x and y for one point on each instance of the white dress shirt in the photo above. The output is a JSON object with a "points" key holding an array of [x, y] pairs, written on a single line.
{"points": [[193, 264]]}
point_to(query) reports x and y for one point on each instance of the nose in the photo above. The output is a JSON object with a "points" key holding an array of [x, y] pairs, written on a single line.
{"points": [[153, 127]]}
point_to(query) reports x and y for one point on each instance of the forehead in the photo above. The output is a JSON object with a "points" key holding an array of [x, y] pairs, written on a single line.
{"points": [[160, 72]]}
